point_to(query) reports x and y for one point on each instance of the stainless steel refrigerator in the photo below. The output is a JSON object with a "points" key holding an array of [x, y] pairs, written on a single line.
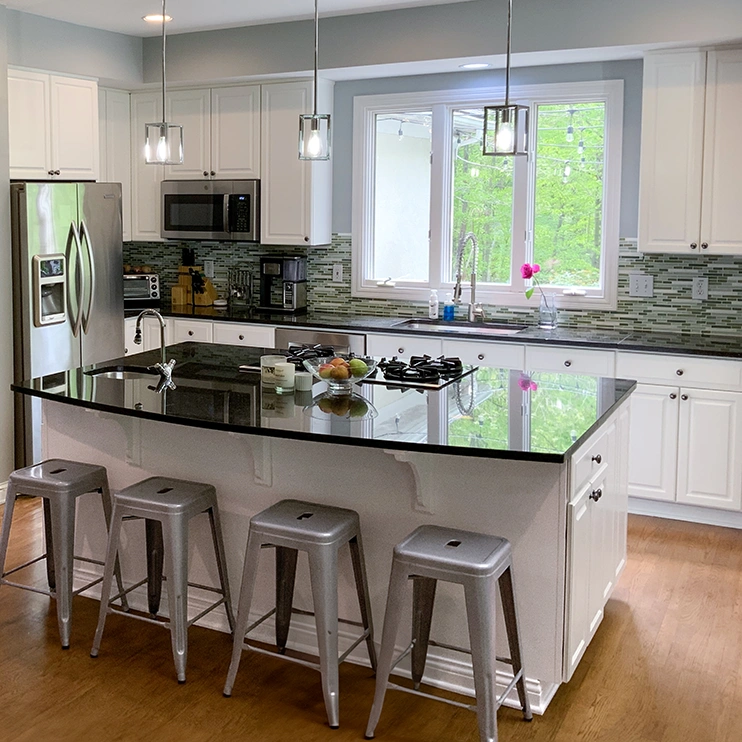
{"points": [[68, 303]]}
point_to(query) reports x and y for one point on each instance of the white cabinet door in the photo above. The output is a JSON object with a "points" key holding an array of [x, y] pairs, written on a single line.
{"points": [[402, 346], [571, 360], [235, 132], [152, 334], [296, 198], [130, 346], [145, 204], [672, 152], [721, 222], [653, 442], [710, 449], [498, 355], [74, 128], [197, 330], [114, 113], [28, 121], [237, 333], [192, 110]]}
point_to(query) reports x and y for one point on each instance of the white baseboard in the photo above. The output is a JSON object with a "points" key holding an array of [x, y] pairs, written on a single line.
{"points": [[680, 511], [442, 670]]}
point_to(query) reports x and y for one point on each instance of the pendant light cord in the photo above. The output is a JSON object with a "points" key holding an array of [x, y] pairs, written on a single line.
{"points": [[507, 58], [316, 50], [164, 115]]}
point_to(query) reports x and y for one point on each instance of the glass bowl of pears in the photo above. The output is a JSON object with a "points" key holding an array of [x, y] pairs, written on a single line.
{"points": [[340, 372]]}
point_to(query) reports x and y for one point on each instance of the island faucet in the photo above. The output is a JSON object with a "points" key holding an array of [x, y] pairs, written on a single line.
{"points": [[164, 367], [476, 310]]}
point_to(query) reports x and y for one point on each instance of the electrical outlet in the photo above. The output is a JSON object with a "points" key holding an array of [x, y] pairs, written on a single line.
{"points": [[641, 285], [337, 273], [700, 288], [209, 268]]}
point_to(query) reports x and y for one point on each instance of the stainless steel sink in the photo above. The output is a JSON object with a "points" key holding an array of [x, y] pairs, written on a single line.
{"points": [[462, 328], [122, 373]]}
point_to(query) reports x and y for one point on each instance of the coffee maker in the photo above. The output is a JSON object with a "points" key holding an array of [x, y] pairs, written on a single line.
{"points": [[283, 284]]}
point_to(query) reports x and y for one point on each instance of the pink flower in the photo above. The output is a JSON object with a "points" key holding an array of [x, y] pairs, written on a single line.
{"points": [[525, 383], [536, 267], [526, 270]]}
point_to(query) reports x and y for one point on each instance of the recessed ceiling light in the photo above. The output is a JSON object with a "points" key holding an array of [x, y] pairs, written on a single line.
{"points": [[474, 66], [156, 18]]}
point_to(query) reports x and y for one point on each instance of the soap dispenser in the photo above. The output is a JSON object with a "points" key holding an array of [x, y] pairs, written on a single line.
{"points": [[449, 308], [433, 304]]}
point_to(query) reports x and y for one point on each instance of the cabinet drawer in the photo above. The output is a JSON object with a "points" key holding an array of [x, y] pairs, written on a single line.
{"points": [[197, 330], [254, 336], [403, 346], [571, 361], [497, 355], [680, 370]]}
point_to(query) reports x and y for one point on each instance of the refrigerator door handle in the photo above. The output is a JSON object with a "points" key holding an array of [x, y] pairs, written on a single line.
{"points": [[90, 280], [73, 279]]}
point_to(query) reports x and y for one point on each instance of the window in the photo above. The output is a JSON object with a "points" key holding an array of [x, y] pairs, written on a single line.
{"points": [[426, 199]]}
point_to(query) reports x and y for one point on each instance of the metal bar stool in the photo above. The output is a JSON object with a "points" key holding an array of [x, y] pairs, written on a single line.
{"points": [[291, 526], [479, 563], [172, 503], [60, 483]]}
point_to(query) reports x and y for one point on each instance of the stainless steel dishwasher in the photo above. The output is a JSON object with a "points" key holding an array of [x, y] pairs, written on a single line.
{"points": [[342, 342]]}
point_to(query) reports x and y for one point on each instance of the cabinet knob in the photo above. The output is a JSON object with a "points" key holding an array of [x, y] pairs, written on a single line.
{"points": [[213, 173], [597, 458], [306, 239], [242, 337], [680, 372], [400, 350], [684, 397], [704, 246], [568, 363], [206, 173], [190, 332], [57, 172], [693, 245], [595, 495], [481, 356], [673, 396], [50, 172]]}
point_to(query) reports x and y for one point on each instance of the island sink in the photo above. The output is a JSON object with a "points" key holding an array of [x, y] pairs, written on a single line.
{"points": [[464, 328], [131, 373]]}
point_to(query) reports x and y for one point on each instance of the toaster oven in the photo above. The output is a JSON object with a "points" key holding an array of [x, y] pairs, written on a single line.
{"points": [[141, 290]]}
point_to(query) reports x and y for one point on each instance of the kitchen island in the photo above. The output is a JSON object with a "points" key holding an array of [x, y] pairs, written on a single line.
{"points": [[539, 459]]}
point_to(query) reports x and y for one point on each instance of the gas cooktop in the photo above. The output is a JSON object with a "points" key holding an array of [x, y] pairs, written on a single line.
{"points": [[421, 372]]}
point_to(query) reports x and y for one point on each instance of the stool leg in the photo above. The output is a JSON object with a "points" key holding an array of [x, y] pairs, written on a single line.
{"points": [[480, 614], [507, 594], [392, 618], [323, 569], [249, 573], [7, 522], [114, 533], [364, 600], [49, 544], [105, 494], [423, 597], [285, 580], [221, 563], [63, 530], [153, 537], [175, 533]]}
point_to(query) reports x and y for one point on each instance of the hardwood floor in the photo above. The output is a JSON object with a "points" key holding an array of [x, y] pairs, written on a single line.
{"points": [[665, 666]]}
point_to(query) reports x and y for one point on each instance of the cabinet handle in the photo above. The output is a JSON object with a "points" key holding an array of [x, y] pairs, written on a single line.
{"points": [[684, 397], [680, 372], [704, 246], [673, 396], [693, 245], [242, 337], [206, 173], [568, 363], [481, 356], [598, 458], [190, 332], [595, 495], [400, 350]]}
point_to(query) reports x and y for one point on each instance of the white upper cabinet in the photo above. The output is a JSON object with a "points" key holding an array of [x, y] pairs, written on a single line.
{"points": [[114, 112], [296, 195], [221, 132], [53, 127], [691, 153]]}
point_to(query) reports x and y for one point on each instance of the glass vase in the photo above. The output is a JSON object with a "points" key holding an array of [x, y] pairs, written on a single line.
{"points": [[547, 312]]}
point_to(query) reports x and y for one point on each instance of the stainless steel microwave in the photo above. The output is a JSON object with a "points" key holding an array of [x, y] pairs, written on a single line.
{"points": [[211, 210]]}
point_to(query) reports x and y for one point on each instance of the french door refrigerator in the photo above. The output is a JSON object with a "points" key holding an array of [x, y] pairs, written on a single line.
{"points": [[68, 303]]}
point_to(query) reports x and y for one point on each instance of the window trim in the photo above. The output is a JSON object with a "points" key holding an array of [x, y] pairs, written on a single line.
{"points": [[366, 107]]}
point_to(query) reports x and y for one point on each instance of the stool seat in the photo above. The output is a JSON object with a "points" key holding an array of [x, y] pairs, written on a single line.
{"points": [[59, 476], [306, 522], [454, 552], [166, 496]]}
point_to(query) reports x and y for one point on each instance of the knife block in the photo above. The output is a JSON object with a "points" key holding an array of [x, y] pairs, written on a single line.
{"points": [[182, 292]]}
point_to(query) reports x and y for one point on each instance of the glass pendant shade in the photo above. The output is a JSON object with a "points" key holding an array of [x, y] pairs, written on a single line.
{"points": [[163, 144], [314, 136], [505, 130]]}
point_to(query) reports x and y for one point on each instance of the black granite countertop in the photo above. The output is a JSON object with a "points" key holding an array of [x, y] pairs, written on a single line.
{"points": [[493, 413], [720, 346]]}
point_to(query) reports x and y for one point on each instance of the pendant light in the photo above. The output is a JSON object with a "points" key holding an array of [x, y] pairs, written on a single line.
{"points": [[314, 128], [163, 143], [506, 126]]}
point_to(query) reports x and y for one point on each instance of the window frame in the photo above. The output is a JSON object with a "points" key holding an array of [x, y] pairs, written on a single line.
{"points": [[442, 103]]}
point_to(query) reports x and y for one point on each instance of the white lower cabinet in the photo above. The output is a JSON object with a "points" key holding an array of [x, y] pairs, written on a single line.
{"points": [[571, 360], [151, 338], [196, 330], [129, 328], [253, 336], [498, 355], [402, 346]]}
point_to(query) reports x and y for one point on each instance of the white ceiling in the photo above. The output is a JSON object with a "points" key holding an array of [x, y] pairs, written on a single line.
{"points": [[198, 15]]}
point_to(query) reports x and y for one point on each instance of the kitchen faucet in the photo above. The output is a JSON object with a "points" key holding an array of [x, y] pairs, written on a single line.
{"points": [[476, 310], [164, 367]]}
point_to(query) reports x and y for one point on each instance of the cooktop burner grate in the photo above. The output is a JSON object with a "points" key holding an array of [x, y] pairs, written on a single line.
{"points": [[421, 372]]}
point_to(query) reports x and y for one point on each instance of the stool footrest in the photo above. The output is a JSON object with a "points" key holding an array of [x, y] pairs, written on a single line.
{"points": [[30, 588], [24, 565], [431, 643], [423, 694]]}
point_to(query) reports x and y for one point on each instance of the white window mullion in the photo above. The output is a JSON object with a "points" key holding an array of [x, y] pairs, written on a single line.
{"points": [[440, 195]]}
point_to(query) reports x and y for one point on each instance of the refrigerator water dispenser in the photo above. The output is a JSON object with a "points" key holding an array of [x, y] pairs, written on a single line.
{"points": [[50, 289]]}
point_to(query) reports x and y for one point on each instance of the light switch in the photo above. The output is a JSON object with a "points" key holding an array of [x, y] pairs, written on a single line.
{"points": [[641, 285]]}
